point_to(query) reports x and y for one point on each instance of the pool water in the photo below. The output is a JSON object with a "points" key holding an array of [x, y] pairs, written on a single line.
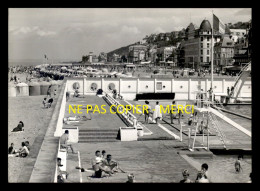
{"points": [[222, 168], [240, 109]]}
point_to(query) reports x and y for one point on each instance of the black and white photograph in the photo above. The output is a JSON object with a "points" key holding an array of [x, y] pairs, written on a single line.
{"points": [[129, 95]]}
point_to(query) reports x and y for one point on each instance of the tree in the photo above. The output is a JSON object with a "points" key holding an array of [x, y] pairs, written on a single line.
{"points": [[85, 58], [123, 58]]}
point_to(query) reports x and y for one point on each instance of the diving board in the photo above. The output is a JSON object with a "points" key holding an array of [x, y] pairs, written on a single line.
{"points": [[239, 127]]}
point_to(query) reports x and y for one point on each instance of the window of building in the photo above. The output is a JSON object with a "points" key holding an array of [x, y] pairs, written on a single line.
{"points": [[207, 38], [201, 59], [207, 45], [207, 52], [201, 45], [201, 51], [159, 86], [207, 58], [201, 38]]}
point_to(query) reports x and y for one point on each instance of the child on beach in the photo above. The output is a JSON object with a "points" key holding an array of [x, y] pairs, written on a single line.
{"points": [[11, 149], [44, 102], [238, 164], [19, 127], [23, 152]]}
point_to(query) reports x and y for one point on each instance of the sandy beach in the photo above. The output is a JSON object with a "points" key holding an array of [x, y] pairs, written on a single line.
{"points": [[36, 119]]}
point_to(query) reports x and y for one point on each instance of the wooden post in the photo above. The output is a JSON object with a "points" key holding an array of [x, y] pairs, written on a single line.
{"points": [[189, 130], [208, 131], [195, 137], [181, 133]]}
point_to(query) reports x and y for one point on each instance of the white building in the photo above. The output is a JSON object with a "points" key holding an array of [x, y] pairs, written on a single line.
{"points": [[237, 33]]}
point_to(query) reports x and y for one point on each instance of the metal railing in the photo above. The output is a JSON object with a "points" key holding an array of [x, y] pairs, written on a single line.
{"points": [[128, 117]]}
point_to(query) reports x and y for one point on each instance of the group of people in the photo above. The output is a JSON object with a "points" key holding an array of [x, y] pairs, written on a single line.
{"points": [[104, 163], [47, 104], [21, 152], [202, 175], [156, 114]]}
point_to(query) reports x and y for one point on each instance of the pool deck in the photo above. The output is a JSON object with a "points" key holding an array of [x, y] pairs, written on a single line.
{"points": [[152, 159], [98, 121], [234, 139]]}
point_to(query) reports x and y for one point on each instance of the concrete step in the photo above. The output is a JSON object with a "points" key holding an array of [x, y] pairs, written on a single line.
{"points": [[98, 130], [98, 133], [97, 137], [97, 140]]}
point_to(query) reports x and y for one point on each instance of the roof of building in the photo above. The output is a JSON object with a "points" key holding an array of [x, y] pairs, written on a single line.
{"points": [[225, 42], [227, 30], [205, 25]]}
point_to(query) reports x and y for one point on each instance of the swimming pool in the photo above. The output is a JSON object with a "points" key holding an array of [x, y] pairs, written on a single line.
{"points": [[240, 109], [222, 168]]}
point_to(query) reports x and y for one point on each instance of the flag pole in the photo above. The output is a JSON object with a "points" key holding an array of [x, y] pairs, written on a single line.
{"points": [[212, 50]]}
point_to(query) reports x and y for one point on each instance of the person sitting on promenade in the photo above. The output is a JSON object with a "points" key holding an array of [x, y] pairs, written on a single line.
{"points": [[103, 154], [11, 149], [111, 165], [64, 144], [44, 102], [96, 163], [131, 178], [19, 127], [61, 172], [22, 152], [76, 92], [201, 178], [157, 113], [185, 175], [238, 167]]}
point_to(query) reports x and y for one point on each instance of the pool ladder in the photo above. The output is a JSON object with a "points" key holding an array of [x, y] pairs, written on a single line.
{"points": [[215, 123]]}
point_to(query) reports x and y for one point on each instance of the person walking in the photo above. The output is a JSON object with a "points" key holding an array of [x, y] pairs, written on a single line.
{"points": [[157, 113]]}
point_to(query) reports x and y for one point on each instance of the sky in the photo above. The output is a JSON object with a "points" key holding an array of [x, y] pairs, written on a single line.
{"points": [[69, 33]]}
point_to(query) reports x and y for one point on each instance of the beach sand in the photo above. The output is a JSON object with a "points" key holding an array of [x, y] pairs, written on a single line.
{"points": [[36, 120]]}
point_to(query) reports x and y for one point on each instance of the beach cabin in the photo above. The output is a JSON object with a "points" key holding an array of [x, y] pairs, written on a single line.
{"points": [[34, 89], [22, 89], [11, 90]]}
